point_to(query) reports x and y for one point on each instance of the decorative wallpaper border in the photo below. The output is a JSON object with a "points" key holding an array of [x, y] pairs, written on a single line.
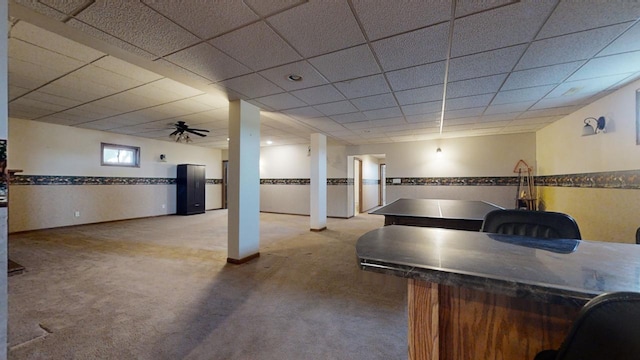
{"points": [[94, 180], [456, 181], [331, 181], [628, 179]]}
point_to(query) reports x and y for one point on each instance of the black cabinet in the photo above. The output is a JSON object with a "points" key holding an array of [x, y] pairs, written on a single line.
{"points": [[190, 183]]}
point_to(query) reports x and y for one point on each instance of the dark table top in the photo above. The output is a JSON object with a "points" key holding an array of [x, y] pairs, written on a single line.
{"points": [[442, 209], [563, 271]]}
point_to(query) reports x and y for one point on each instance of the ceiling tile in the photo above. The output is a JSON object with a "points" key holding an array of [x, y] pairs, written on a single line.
{"points": [[279, 76], [304, 113], [365, 86], [558, 111], [391, 112], [336, 108], [256, 46], [77, 87], [508, 108], [252, 86], [572, 16], [547, 75], [462, 113], [145, 28], [175, 88], [578, 46], [477, 86], [29, 75], [180, 72], [16, 91], [61, 101], [520, 95], [126, 69], [208, 62], [25, 109], [375, 102], [468, 102], [42, 9], [585, 86], [425, 94], [608, 65], [346, 64], [266, 8], [385, 18], [106, 78], [26, 52], [505, 26], [281, 101], [486, 63], [205, 18], [112, 40], [416, 77], [45, 107], [424, 118], [348, 118], [104, 124], [323, 124], [412, 48], [563, 101], [422, 108], [629, 41], [318, 95], [65, 6], [317, 27], [53, 42], [466, 7], [127, 101]]}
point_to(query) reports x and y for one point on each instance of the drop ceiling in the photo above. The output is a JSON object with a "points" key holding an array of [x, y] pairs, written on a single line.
{"points": [[372, 71]]}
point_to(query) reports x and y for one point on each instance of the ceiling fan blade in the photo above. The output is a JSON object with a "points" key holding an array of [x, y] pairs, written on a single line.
{"points": [[196, 133], [205, 130], [174, 133]]}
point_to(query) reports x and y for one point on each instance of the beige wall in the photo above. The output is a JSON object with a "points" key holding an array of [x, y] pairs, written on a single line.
{"points": [[47, 149], [292, 162], [602, 214], [482, 156]]}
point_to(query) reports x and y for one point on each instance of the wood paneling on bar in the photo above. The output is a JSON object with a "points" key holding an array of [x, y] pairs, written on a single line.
{"points": [[455, 323]]}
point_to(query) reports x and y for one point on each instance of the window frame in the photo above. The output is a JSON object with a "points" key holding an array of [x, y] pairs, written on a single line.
{"points": [[135, 149]]}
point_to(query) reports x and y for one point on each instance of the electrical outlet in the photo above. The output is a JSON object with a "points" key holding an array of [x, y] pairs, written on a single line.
{"points": [[77, 214]]}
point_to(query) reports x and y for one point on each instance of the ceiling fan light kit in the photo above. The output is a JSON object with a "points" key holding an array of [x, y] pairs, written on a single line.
{"points": [[182, 130]]}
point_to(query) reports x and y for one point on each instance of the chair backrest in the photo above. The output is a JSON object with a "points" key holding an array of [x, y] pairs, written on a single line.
{"points": [[638, 236], [608, 327], [540, 224]]}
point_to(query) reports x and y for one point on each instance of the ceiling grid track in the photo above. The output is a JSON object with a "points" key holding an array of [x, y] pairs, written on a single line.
{"points": [[446, 67]]}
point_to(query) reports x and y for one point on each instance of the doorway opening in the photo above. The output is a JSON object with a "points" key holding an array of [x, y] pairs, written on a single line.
{"points": [[357, 186], [225, 181]]}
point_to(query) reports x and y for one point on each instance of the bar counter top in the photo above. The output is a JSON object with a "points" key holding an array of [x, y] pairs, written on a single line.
{"points": [[558, 271]]}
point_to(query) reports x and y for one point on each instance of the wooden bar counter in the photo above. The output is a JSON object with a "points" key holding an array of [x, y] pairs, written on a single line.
{"points": [[476, 295]]}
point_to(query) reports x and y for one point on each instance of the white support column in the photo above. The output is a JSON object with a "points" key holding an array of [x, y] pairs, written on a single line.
{"points": [[4, 227], [318, 201], [244, 182]]}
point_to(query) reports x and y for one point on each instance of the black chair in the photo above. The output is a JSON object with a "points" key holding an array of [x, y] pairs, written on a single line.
{"points": [[608, 327], [539, 224], [638, 236]]}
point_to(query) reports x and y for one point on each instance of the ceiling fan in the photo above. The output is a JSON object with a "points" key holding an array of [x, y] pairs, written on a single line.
{"points": [[181, 128]]}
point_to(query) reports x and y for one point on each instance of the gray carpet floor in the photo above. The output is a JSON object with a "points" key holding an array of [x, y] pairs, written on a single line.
{"points": [[160, 288]]}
